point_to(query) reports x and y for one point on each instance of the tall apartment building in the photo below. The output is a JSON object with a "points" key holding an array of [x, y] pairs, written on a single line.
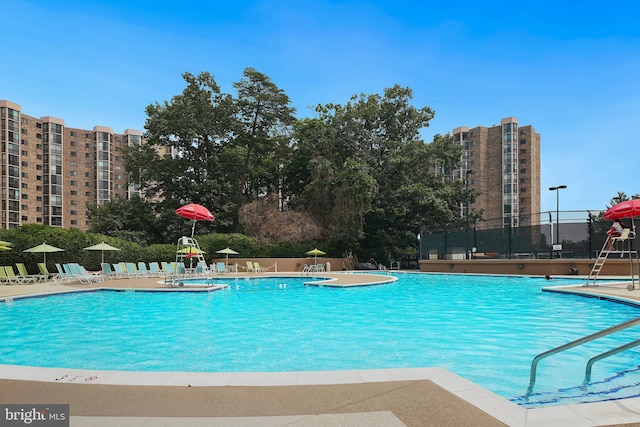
{"points": [[50, 172], [503, 164]]}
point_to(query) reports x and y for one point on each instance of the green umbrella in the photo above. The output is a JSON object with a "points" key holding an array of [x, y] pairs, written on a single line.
{"points": [[102, 247], [191, 250], [43, 248], [3, 243], [227, 251], [315, 252]]}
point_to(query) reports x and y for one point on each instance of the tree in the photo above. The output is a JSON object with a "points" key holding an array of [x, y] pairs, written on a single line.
{"points": [[132, 220], [265, 119], [185, 150], [367, 175]]}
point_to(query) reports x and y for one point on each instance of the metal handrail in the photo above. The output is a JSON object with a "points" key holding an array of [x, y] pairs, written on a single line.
{"points": [[588, 338], [594, 359]]}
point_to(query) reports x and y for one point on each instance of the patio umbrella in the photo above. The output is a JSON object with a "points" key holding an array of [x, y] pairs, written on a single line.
{"points": [[315, 252], [191, 251], [626, 209], [3, 243], [195, 212], [102, 247], [227, 251], [44, 249], [4, 248]]}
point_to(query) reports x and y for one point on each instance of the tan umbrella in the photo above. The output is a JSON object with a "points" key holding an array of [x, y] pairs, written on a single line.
{"points": [[227, 251], [102, 247], [44, 249]]}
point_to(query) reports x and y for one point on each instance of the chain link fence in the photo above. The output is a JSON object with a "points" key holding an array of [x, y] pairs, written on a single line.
{"points": [[545, 235]]}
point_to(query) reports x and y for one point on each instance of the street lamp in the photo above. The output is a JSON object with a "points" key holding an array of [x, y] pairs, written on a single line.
{"points": [[557, 190], [466, 192]]}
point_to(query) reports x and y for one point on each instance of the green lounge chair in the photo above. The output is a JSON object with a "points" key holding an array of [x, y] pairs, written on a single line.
{"points": [[22, 272]]}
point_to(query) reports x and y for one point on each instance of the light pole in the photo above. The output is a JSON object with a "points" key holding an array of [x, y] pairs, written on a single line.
{"points": [[466, 202], [557, 190]]}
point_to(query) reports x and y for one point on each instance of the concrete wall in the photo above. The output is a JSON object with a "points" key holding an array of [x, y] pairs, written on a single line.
{"points": [[283, 264]]}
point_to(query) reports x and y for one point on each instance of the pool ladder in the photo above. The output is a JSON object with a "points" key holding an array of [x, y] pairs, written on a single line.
{"points": [[588, 338]]}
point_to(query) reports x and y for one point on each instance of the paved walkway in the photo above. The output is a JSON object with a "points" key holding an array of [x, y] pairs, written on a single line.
{"points": [[395, 397]]}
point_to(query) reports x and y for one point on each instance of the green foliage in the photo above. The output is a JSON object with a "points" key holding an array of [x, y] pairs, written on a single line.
{"points": [[360, 170]]}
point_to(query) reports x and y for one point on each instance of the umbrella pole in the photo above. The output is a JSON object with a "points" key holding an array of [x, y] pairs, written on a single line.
{"points": [[193, 228]]}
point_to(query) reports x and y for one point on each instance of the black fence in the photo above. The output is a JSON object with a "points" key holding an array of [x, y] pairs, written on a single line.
{"points": [[566, 234]]}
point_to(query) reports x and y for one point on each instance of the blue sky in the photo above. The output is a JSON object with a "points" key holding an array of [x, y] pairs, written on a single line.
{"points": [[570, 69]]}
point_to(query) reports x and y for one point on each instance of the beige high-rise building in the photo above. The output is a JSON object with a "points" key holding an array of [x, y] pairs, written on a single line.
{"points": [[503, 163], [51, 172]]}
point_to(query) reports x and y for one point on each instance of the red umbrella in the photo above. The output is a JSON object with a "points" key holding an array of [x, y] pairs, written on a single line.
{"points": [[195, 212], [627, 209]]}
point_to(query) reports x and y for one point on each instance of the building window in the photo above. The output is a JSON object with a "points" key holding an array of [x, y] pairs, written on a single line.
{"points": [[523, 161], [73, 163], [73, 143], [73, 183], [73, 193], [523, 170], [74, 202], [74, 222], [523, 151], [74, 212], [523, 141], [74, 154], [87, 184]]}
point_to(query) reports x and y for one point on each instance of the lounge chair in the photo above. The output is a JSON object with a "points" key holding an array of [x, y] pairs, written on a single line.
{"points": [[22, 272], [250, 267], [107, 272], [119, 272], [154, 269], [79, 273], [221, 268], [44, 271], [62, 274], [181, 269], [258, 269], [202, 268], [142, 269], [131, 270], [4, 279], [14, 278], [167, 267]]}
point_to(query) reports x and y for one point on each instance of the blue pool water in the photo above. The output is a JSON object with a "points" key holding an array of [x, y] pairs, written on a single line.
{"points": [[484, 328]]}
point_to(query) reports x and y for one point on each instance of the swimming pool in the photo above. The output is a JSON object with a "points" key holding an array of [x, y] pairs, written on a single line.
{"points": [[484, 328]]}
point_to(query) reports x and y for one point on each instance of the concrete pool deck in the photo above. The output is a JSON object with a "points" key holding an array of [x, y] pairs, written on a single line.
{"points": [[390, 397]]}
